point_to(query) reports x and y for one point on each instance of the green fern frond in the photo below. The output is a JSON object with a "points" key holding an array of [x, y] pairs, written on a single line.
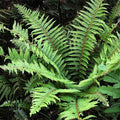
{"points": [[42, 50], [46, 35], [93, 93], [108, 39], [73, 107], [42, 97], [111, 91], [106, 34], [110, 50], [113, 78], [43, 29], [116, 46], [34, 67], [15, 55], [13, 103], [45, 95], [86, 25], [108, 60], [33, 83]]}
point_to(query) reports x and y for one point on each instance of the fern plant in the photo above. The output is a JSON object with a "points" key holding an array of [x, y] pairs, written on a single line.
{"points": [[59, 62]]}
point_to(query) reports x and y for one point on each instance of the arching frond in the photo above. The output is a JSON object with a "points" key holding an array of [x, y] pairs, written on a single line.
{"points": [[34, 67], [42, 49], [44, 30], [86, 26]]}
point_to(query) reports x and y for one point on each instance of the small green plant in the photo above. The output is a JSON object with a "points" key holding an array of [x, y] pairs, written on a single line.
{"points": [[66, 65]]}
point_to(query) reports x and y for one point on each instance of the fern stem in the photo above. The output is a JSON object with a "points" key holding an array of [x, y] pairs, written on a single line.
{"points": [[77, 110], [85, 39]]}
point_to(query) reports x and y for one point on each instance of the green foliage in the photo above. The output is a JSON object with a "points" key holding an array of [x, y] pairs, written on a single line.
{"points": [[1, 51], [3, 15], [73, 107], [9, 87], [57, 61], [5, 89], [87, 24], [16, 107], [43, 96], [114, 90], [115, 13]]}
